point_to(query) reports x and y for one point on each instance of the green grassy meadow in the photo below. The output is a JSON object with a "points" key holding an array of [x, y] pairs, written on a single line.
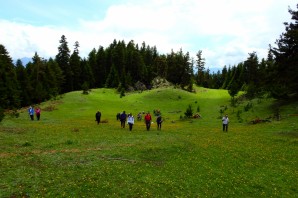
{"points": [[66, 154]]}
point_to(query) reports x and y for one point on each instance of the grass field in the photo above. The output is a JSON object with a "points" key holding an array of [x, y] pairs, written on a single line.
{"points": [[66, 154]]}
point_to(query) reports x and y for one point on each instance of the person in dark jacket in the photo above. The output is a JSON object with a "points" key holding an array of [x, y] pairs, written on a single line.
{"points": [[98, 116], [123, 119], [159, 121]]}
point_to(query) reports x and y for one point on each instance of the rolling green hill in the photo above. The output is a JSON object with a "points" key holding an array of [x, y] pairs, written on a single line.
{"points": [[66, 154]]}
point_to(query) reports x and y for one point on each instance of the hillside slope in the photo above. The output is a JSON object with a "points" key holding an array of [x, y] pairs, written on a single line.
{"points": [[67, 154]]}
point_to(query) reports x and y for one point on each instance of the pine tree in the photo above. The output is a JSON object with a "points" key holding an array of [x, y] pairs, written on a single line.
{"points": [[38, 79], [75, 64], [100, 71], [284, 79], [62, 58], [200, 67], [24, 83], [9, 89], [54, 78], [87, 74]]}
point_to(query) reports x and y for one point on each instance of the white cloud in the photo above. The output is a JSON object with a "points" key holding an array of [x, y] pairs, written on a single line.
{"points": [[230, 29]]}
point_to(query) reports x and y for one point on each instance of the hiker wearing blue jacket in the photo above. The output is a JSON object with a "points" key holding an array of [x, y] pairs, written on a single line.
{"points": [[31, 112]]}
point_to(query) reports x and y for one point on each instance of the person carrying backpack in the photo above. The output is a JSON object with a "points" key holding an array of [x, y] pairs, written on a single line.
{"points": [[130, 121], [148, 121], [31, 112], [123, 119], [159, 121], [225, 123], [97, 117], [37, 112]]}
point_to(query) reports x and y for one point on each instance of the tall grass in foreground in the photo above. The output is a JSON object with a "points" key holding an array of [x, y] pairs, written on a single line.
{"points": [[67, 154]]}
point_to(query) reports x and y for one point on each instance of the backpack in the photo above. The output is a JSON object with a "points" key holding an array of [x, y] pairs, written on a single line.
{"points": [[123, 116], [158, 119], [147, 117]]}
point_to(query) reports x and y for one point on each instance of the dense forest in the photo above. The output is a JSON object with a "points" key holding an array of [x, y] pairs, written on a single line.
{"points": [[130, 66]]}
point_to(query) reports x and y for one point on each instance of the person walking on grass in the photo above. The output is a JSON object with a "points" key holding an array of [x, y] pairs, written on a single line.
{"points": [[98, 116], [130, 121], [31, 112], [159, 121], [123, 119], [37, 113], [148, 121], [225, 123]]}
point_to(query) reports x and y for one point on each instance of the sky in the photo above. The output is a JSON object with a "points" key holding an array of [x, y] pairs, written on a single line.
{"points": [[225, 30]]}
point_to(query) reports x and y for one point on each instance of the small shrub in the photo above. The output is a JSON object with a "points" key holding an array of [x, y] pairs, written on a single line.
{"points": [[122, 93], [248, 106], [14, 113], [69, 142], [239, 116], [27, 144], [189, 112], [221, 111], [85, 88], [198, 109]]}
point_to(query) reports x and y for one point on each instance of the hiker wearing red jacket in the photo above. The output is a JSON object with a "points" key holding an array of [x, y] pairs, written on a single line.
{"points": [[148, 121]]}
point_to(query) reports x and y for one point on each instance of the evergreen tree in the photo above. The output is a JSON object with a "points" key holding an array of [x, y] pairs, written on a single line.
{"points": [[251, 75], [100, 71], [200, 67], [87, 74], [75, 64], [161, 66], [134, 63], [92, 64], [38, 79], [24, 83], [113, 78], [284, 79], [179, 68], [224, 75], [228, 77], [9, 89], [55, 77], [187, 73], [62, 58]]}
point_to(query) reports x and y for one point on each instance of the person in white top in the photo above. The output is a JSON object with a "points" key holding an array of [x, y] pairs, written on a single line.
{"points": [[225, 123], [130, 121]]}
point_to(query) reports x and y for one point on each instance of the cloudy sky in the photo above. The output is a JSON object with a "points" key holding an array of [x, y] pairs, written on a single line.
{"points": [[225, 30]]}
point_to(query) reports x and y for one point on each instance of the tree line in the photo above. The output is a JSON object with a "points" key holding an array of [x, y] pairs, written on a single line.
{"points": [[126, 66]]}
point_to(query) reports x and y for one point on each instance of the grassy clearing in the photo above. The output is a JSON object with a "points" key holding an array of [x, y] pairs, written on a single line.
{"points": [[67, 155]]}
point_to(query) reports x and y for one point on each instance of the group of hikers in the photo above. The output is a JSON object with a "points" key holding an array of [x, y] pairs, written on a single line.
{"points": [[31, 112], [129, 118]]}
